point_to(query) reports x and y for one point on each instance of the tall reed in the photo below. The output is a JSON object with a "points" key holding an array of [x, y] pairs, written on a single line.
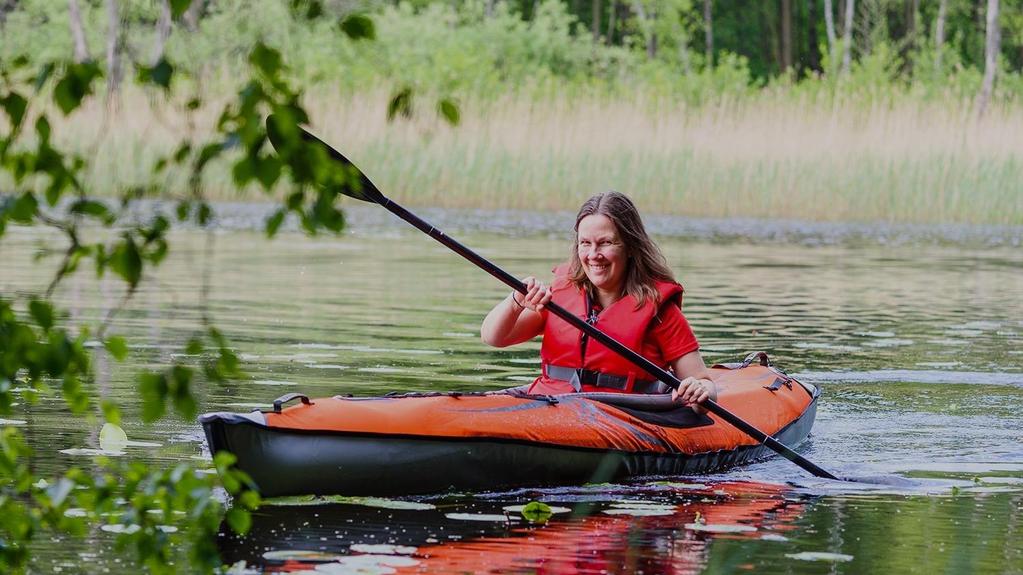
{"points": [[765, 156]]}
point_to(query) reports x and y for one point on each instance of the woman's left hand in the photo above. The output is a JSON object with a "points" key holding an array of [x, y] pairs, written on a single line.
{"points": [[692, 391]]}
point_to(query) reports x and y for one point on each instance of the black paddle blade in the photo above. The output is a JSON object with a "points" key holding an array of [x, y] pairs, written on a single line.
{"points": [[304, 152]]}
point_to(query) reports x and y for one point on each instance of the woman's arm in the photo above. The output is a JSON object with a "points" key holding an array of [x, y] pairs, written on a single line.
{"points": [[513, 321], [696, 383]]}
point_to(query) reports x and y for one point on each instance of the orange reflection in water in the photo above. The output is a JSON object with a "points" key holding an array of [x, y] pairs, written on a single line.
{"points": [[673, 544]]}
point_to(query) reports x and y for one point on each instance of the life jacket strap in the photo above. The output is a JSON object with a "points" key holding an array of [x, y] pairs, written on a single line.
{"points": [[578, 377]]}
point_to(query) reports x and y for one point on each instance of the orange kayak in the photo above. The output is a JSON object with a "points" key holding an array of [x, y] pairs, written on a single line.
{"points": [[433, 442]]}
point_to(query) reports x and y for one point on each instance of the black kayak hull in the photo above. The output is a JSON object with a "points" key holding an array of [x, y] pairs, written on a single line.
{"points": [[285, 462]]}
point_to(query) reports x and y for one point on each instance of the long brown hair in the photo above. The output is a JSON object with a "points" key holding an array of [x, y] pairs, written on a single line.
{"points": [[645, 263]]}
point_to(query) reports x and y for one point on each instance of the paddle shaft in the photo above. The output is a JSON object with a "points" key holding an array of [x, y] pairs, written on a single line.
{"points": [[648, 366]]}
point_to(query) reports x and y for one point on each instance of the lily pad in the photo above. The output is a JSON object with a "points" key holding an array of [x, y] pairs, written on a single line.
{"points": [[720, 527], [678, 485], [552, 509], [382, 549], [820, 556], [366, 564], [88, 451], [478, 517], [120, 528], [112, 437], [379, 502], [639, 508], [303, 555]]}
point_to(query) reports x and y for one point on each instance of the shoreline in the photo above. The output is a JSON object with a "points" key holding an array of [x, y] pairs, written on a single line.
{"points": [[360, 218], [242, 216]]}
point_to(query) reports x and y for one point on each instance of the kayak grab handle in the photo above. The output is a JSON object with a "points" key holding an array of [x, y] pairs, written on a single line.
{"points": [[760, 355], [288, 397]]}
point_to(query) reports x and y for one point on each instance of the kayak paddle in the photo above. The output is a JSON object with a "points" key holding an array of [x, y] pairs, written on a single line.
{"points": [[357, 185]]}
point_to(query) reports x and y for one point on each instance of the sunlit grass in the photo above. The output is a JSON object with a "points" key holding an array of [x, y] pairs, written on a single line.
{"points": [[765, 157]]}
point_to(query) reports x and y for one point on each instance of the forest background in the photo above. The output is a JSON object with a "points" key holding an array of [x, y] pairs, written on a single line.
{"points": [[890, 110]]}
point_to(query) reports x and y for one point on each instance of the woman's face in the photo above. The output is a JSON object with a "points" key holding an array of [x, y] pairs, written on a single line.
{"points": [[601, 253]]}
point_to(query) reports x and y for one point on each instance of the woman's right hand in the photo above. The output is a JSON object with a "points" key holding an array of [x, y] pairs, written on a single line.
{"points": [[537, 295]]}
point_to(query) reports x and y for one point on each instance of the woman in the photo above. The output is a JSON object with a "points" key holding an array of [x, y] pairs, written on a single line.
{"points": [[618, 280]]}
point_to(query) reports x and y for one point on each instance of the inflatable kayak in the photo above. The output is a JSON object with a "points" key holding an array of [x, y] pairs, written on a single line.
{"points": [[432, 442]]}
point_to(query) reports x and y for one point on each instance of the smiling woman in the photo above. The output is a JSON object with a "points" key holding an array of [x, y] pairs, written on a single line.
{"points": [[617, 280]]}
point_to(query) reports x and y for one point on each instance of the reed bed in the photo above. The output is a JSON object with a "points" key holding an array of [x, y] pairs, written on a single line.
{"points": [[764, 157]]}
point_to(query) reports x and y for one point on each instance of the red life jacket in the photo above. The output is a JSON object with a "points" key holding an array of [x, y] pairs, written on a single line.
{"points": [[563, 343]]}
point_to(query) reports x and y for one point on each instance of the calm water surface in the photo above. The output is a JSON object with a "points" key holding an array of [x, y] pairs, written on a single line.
{"points": [[918, 347]]}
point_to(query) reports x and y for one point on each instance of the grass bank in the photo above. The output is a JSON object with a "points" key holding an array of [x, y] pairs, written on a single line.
{"points": [[764, 157]]}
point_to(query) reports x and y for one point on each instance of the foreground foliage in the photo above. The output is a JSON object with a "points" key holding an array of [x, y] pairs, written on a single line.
{"points": [[153, 510]]}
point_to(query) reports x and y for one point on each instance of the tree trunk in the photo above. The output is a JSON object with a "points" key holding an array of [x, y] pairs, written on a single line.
{"points": [[113, 48], [191, 16], [768, 37], [683, 47], [829, 25], [708, 30], [612, 14], [488, 10], [939, 35], [81, 49], [992, 46], [163, 31], [813, 48], [786, 35], [847, 40], [595, 22], [6, 7], [912, 10]]}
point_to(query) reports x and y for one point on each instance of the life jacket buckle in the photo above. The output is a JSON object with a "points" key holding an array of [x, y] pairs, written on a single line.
{"points": [[576, 381]]}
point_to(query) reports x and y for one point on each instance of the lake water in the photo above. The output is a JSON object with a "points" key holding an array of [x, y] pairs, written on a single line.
{"points": [[917, 344]]}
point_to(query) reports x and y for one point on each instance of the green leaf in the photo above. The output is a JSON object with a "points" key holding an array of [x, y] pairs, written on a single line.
{"points": [[179, 7], [239, 519], [359, 27], [180, 387], [307, 9], [182, 153], [449, 110], [42, 312], [182, 210], [243, 172], [43, 129], [194, 346], [266, 59], [401, 103], [15, 105], [153, 389], [23, 209], [268, 171], [126, 261], [111, 412], [44, 74], [274, 222], [117, 347], [75, 85], [92, 208], [159, 74], [249, 499], [205, 214]]}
